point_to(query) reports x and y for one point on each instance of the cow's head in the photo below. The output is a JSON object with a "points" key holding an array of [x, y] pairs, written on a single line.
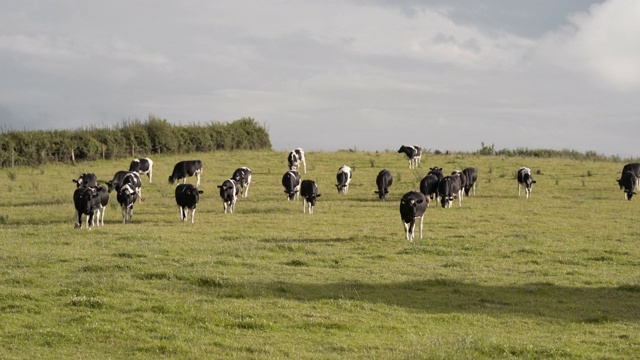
{"points": [[172, 180], [311, 199], [290, 194]]}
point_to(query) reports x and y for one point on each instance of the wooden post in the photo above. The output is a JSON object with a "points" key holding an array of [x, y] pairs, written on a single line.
{"points": [[13, 156]]}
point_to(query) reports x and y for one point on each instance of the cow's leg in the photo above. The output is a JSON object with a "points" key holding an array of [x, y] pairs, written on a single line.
{"points": [[150, 175], [78, 224], [193, 214], [406, 230], [304, 205], [518, 189], [198, 181], [421, 223]]}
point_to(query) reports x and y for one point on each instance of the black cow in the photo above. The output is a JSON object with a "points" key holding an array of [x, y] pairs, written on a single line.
{"points": [[383, 180], [463, 180], [295, 157], [103, 196], [127, 197], [142, 166], [86, 201], [229, 194], [187, 197], [291, 183], [472, 177], [629, 182], [344, 178], [184, 169], [122, 178], [449, 188], [437, 172], [414, 153], [635, 169], [309, 193], [412, 205], [242, 176], [429, 187], [86, 180], [525, 179]]}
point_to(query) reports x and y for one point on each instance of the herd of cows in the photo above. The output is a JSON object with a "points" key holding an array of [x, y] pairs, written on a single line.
{"points": [[91, 198]]}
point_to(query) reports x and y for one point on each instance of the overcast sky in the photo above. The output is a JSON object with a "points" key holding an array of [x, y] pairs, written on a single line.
{"points": [[334, 74]]}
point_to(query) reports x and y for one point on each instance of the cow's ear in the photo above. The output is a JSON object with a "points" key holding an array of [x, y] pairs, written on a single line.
{"points": [[533, 182], [75, 181], [376, 192], [219, 186], [318, 195], [200, 191]]}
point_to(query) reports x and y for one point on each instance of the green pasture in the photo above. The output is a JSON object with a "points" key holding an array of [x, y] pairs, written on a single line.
{"points": [[553, 276]]}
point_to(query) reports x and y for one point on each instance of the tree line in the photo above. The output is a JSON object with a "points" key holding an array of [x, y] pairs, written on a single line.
{"points": [[131, 138]]}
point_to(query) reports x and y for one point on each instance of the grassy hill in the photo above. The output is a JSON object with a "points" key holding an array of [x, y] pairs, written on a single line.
{"points": [[554, 276]]}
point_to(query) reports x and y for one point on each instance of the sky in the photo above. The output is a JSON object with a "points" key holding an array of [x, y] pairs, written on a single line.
{"points": [[333, 74]]}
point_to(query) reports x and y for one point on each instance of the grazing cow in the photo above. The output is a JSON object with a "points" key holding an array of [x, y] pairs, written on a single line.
{"points": [[122, 178], [127, 196], [184, 169], [86, 180], [437, 172], [635, 169], [449, 188], [525, 179], [143, 166], [412, 206], [429, 187], [291, 183], [242, 176], [383, 181], [296, 157], [87, 202], [472, 176], [629, 182], [229, 194], [187, 197], [414, 153], [463, 181], [344, 178], [309, 193], [103, 196]]}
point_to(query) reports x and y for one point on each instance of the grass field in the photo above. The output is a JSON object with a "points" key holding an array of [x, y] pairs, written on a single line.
{"points": [[554, 276]]}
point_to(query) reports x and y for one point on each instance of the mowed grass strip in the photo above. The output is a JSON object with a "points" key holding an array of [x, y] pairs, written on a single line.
{"points": [[554, 276]]}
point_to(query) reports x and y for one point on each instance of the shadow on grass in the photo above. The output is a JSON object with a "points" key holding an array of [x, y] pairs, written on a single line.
{"points": [[442, 296]]}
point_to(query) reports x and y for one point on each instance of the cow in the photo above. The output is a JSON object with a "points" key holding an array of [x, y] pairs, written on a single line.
{"points": [[86, 180], [291, 183], [242, 176], [525, 179], [412, 205], [122, 178], [635, 169], [344, 178], [184, 169], [437, 172], [463, 180], [229, 194], [86, 201], [295, 157], [309, 193], [142, 166], [103, 197], [449, 188], [127, 197], [429, 187], [629, 182], [472, 177], [187, 197], [383, 181], [414, 153]]}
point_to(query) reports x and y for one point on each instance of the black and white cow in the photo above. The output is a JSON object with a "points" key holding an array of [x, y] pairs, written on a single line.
{"points": [[629, 182], [122, 178], [229, 194], [127, 197], [86, 201], [103, 196], [242, 176], [463, 180], [525, 179], [472, 177], [295, 157], [437, 172], [344, 178], [86, 180], [309, 193], [449, 188], [142, 166], [429, 187], [635, 169], [414, 153], [187, 198], [412, 205], [291, 183], [184, 169], [383, 181]]}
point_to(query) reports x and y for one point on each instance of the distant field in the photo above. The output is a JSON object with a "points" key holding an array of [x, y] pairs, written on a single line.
{"points": [[554, 276]]}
